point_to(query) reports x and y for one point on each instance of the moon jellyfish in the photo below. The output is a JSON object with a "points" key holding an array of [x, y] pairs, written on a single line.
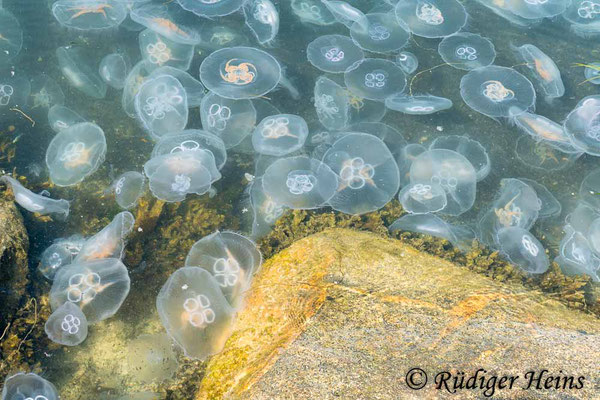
{"points": [[152, 358], [467, 51], [61, 118], [543, 155], [97, 287], [211, 8], [346, 14], [313, 12], [11, 36], [88, 15], [216, 35], [544, 70], [584, 16], [167, 20], [60, 253], [332, 104], [231, 120], [262, 18], [113, 70], [191, 140], [300, 183], [497, 91], [432, 225], [405, 158], [471, 149], [36, 203], [110, 241], [550, 206], [266, 211], [160, 51], [14, 90], [194, 89], [75, 68], [67, 325], [417, 105], [28, 386], [431, 18], [407, 61], [592, 74], [278, 135], [75, 153], [393, 139], [333, 53], [161, 105], [382, 35], [45, 92], [522, 249], [589, 191], [367, 173], [363, 110], [593, 236], [240, 72], [536, 9], [194, 311], [375, 79], [138, 75], [576, 256], [583, 125], [453, 172], [423, 198], [541, 128], [128, 188]]}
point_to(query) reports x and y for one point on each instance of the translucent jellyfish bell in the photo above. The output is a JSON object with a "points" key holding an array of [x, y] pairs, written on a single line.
{"points": [[576, 255], [152, 358], [194, 311], [497, 91], [590, 189], [346, 14], [128, 188], [160, 51], [543, 154], [592, 74], [263, 19], [11, 36], [231, 120], [61, 118], [544, 69], [168, 20], [67, 325], [333, 53], [97, 287], [278, 135], [433, 225], [14, 91], [313, 12], [405, 158], [423, 198], [218, 35], [211, 8], [28, 386], [266, 211], [431, 18], [523, 250], [467, 51], [75, 152], [367, 173], [75, 67], [584, 16], [191, 140], [407, 61], [136, 77], [36, 202], [417, 105], [550, 206], [86, 15], [45, 92], [110, 241], [332, 104], [383, 33], [536, 9], [583, 125], [375, 79], [541, 128], [240, 72], [59, 254], [471, 149], [113, 70], [194, 89]]}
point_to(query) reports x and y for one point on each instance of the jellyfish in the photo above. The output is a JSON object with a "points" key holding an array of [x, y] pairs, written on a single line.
{"points": [[75, 153], [76, 69], [161, 105], [263, 19], [152, 358], [128, 188], [28, 386], [278, 135], [333, 53], [550, 206], [592, 74], [313, 12], [11, 36], [543, 155], [114, 69], [191, 140], [497, 91], [405, 158], [471, 149], [576, 256], [429, 224], [584, 16], [368, 176], [583, 125], [332, 104], [383, 34], [467, 51], [217, 35], [542, 128], [167, 20], [160, 51], [14, 90], [45, 92], [392, 138], [431, 18], [407, 61], [61, 118], [194, 89], [423, 198], [522, 249], [417, 105], [589, 190], [67, 325], [266, 211], [231, 120], [194, 312], [138, 75], [375, 79], [501, 8], [544, 70], [581, 217], [537, 9], [240, 72], [363, 110], [58, 254], [453, 172], [347, 14], [36, 203], [88, 15], [211, 8], [593, 236], [110, 241], [97, 287]]}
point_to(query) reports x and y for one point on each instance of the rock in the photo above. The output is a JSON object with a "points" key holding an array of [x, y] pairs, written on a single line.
{"points": [[345, 314]]}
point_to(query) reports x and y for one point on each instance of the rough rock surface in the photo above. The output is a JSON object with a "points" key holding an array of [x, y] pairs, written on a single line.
{"points": [[344, 314]]}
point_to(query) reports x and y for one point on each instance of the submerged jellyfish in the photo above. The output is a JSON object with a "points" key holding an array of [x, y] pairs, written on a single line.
{"points": [[28, 386], [536, 9], [523, 250], [423, 198], [128, 188], [211, 8], [405, 158], [217, 35], [392, 138], [11, 36], [194, 89], [138, 75], [191, 140], [367, 173], [263, 19], [576, 255], [313, 12], [544, 70], [240, 72], [67, 325], [168, 20], [231, 120], [97, 287], [278, 135], [417, 105], [333, 53], [332, 104], [14, 91], [433, 225], [497, 91], [36, 203], [160, 51], [543, 155], [88, 15], [61, 118], [299, 183], [59, 254], [584, 15], [75, 152], [375, 79], [45, 92], [541, 128], [550, 206], [152, 358], [75, 67], [471, 149], [407, 61], [266, 211], [467, 51], [382, 35], [113, 70], [431, 18], [583, 125], [161, 105], [110, 241], [592, 73], [194, 311], [589, 191]]}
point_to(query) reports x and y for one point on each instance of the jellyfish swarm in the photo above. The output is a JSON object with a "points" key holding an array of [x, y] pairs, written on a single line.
{"points": [[423, 198], [61, 118], [75, 153], [433, 225], [113, 70], [191, 140], [263, 19], [36, 203], [497, 91], [160, 51], [431, 18], [231, 120], [194, 312], [417, 105], [332, 104], [211, 8], [45, 92], [383, 34], [467, 51], [583, 125], [544, 70], [333, 53], [231, 259], [168, 20], [67, 325], [471, 149], [28, 386], [152, 358], [279, 135], [523, 250], [407, 61], [161, 106], [128, 188], [11, 36], [110, 241], [375, 79], [76, 69], [367, 173], [97, 287], [89, 15]]}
